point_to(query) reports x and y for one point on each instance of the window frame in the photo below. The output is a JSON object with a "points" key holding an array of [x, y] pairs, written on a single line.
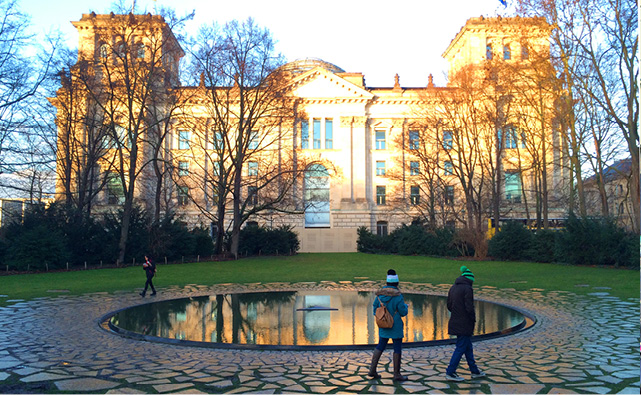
{"points": [[379, 144], [380, 195], [380, 168]]}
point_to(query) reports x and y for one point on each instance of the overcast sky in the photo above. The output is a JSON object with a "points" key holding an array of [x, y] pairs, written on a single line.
{"points": [[376, 37]]}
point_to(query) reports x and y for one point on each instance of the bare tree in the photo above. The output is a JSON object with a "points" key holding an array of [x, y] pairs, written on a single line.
{"points": [[250, 133]]}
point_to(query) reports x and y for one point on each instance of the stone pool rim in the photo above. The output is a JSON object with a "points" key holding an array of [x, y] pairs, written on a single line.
{"points": [[105, 324]]}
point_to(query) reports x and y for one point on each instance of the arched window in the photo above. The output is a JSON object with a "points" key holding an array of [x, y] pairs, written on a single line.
{"points": [[507, 53], [316, 197], [488, 51]]}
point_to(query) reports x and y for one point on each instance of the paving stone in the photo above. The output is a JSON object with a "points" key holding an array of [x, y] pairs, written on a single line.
{"points": [[43, 377], [85, 384], [297, 388], [515, 388], [595, 390], [382, 389], [26, 371], [171, 387], [124, 390], [4, 376]]}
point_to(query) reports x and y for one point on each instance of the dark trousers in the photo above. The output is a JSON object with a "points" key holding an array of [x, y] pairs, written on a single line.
{"points": [[149, 284], [382, 343], [463, 347]]}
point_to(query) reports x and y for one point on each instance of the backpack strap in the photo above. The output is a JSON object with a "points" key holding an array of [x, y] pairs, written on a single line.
{"points": [[383, 304]]}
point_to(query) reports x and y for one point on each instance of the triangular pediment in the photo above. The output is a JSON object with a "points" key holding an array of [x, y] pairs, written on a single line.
{"points": [[319, 83]]}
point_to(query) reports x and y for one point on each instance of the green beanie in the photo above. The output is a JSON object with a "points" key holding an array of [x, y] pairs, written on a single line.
{"points": [[465, 272]]}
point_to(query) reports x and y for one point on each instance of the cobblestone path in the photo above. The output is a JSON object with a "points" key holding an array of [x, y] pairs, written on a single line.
{"points": [[580, 344]]}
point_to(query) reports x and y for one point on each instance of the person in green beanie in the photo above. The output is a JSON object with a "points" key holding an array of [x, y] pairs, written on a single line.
{"points": [[460, 302]]}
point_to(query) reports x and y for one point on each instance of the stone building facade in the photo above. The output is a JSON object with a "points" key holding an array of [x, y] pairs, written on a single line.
{"points": [[369, 136]]}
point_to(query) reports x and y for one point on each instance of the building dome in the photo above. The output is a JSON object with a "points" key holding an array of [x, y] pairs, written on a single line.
{"points": [[302, 65]]}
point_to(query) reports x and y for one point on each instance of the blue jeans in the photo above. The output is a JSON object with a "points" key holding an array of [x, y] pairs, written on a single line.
{"points": [[382, 343], [463, 347]]}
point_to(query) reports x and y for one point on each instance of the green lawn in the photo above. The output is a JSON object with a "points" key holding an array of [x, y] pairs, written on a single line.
{"points": [[333, 267]]}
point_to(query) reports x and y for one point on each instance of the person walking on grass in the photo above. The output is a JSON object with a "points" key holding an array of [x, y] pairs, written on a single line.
{"points": [[392, 298], [460, 302], [150, 269]]}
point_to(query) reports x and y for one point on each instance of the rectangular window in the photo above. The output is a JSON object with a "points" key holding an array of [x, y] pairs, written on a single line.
{"points": [[183, 168], [381, 228], [380, 167], [448, 142], [317, 133], [448, 169], [415, 194], [216, 168], [488, 51], [183, 195], [380, 139], [448, 194], [304, 135], [414, 168], [380, 195], [252, 168], [184, 138], [329, 134], [413, 139], [507, 53], [513, 187], [253, 139], [252, 195]]}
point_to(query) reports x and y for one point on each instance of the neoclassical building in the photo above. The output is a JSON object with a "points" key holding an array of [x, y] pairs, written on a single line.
{"points": [[383, 156]]}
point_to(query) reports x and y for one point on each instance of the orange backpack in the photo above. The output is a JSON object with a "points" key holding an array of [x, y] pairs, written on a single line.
{"points": [[383, 317]]}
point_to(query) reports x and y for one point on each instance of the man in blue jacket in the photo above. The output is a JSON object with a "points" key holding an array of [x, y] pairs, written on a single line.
{"points": [[392, 298], [460, 302]]}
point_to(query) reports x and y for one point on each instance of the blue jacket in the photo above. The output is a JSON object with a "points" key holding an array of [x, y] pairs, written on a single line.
{"points": [[393, 299]]}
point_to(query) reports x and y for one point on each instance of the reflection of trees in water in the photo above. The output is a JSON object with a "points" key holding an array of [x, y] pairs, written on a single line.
{"points": [[250, 317]]}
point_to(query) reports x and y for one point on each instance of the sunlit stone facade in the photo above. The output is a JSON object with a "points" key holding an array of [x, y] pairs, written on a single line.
{"points": [[364, 132]]}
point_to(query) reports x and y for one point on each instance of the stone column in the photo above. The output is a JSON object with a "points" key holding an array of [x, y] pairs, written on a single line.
{"points": [[362, 169]]}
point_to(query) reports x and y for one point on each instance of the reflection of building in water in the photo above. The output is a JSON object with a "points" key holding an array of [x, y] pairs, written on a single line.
{"points": [[263, 318]]}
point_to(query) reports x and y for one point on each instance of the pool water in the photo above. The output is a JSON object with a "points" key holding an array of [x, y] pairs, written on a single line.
{"points": [[302, 318]]}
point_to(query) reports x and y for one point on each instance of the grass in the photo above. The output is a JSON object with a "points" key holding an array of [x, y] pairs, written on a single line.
{"points": [[624, 283]]}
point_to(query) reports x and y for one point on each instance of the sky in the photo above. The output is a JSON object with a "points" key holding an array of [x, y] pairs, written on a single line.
{"points": [[378, 38]]}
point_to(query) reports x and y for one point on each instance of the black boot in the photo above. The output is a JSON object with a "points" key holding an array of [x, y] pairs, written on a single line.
{"points": [[397, 367], [372, 368]]}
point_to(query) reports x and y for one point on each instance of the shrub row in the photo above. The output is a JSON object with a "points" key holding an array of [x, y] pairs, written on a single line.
{"points": [[50, 238], [259, 240], [414, 239], [584, 241]]}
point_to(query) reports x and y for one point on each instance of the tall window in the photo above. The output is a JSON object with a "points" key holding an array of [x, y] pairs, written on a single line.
{"points": [[253, 139], [183, 195], [488, 51], [218, 142], [381, 228], [414, 168], [415, 194], [413, 139], [104, 51], [329, 134], [511, 139], [304, 134], [183, 168], [448, 194], [317, 133], [448, 142], [380, 167], [252, 168], [316, 185], [252, 195], [507, 53], [448, 169], [513, 187], [380, 195], [380, 139], [115, 191], [525, 53], [184, 137], [140, 51]]}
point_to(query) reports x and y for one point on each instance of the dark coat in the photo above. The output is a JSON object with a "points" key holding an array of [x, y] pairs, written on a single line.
{"points": [[393, 300], [150, 270], [460, 302]]}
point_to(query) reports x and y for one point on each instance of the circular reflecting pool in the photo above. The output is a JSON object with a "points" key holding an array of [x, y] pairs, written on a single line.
{"points": [[302, 319]]}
